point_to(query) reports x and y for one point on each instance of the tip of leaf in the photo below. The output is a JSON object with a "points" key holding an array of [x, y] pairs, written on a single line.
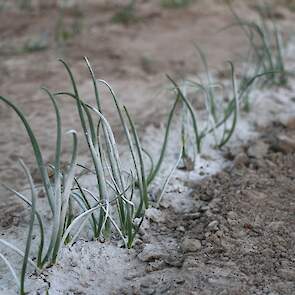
{"points": [[72, 131]]}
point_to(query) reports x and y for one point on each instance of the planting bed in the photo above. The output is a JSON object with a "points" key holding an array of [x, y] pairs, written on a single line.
{"points": [[225, 225]]}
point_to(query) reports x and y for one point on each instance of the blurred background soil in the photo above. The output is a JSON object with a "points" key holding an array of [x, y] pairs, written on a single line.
{"points": [[133, 53]]}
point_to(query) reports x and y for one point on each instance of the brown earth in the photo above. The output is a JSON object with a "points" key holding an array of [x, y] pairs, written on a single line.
{"points": [[236, 237], [239, 236], [133, 57]]}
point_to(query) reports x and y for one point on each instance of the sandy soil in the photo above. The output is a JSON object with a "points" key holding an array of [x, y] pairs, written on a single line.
{"points": [[134, 58], [230, 233], [234, 232]]}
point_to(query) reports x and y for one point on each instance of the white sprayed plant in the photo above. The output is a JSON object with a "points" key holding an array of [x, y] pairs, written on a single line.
{"points": [[123, 196], [222, 106], [266, 46], [58, 194]]}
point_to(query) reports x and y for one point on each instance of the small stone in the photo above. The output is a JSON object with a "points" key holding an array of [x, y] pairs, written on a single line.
{"points": [[232, 215], [73, 263], [165, 203], [275, 225], [267, 252], [255, 195], [206, 197], [188, 164], [155, 266], [258, 150], [180, 281], [237, 234], [232, 222], [213, 225], [154, 214], [207, 235], [147, 287], [143, 227], [291, 123], [215, 205], [285, 144], [192, 216], [209, 214], [138, 242], [204, 208], [175, 260], [191, 245], [287, 273], [15, 220], [219, 233], [41, 194], [181, 228], [241, 160], [216, 210], [150, 253]]}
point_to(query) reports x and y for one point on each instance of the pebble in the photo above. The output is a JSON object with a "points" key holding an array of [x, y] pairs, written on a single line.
{"points": [[204, 208], [181, 228], [232, 222], [192, 216], [291, 123], [154, 214], [255, 195], [155, 266], [191, 245], [41, 194], [285, 144], [150, 253], [241, 160], [213, 225], [288, 123], [144, 226], [216, 210], [219, 233], [275, 225], [175, 260], [287, 273], [207, 235], [206, 197], [232, 215], [258, 150]]}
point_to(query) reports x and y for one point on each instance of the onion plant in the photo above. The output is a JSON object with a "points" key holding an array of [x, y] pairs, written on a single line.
{"points": [[188, 158], [267, 47], [199, 135], [116, 189], [63, 32], [25, 4], [156, 168], [222, 110], [21, 281], [118, 200], [126, 14], [58, 193], [175, 3]]}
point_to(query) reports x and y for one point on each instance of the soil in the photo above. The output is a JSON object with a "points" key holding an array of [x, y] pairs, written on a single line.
{"points": [[230, 233], [133, 57], [245, 228], [236, 237]]}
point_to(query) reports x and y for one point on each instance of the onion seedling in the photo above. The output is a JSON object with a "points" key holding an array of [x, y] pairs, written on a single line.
{"points": [[107, 164], [57, 193], [267, 46]]}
